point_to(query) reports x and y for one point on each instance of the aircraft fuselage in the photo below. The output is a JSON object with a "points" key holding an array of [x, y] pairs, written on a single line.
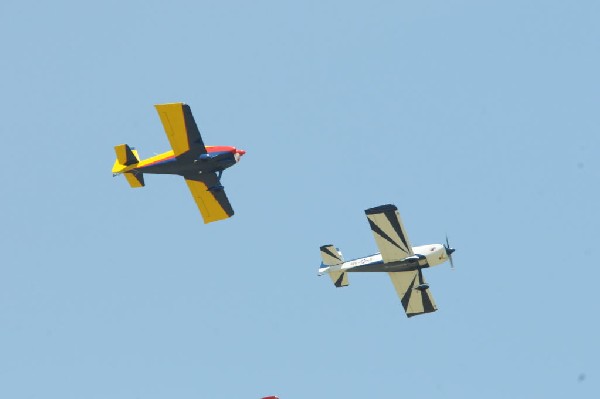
{"points": [[424, 256], [216, 159]]}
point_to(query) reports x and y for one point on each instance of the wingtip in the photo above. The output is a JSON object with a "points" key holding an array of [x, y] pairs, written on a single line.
{"points": [[380, 209]]}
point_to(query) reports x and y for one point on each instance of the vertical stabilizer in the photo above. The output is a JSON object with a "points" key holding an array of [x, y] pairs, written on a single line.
{"points": [[125, 155]]}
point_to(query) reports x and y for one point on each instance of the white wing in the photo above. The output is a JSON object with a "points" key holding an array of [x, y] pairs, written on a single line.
{"points": [[413, 292], [390, 235]]}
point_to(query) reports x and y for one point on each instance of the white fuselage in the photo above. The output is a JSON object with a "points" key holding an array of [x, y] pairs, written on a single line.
{"points": [[424, 256]]}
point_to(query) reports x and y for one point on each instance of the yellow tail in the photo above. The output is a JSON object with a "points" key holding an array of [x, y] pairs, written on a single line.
{"points": [[127, 158]]}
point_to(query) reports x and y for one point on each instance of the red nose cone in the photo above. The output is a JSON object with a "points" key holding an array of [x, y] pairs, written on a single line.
{"points": [[241, 152]]}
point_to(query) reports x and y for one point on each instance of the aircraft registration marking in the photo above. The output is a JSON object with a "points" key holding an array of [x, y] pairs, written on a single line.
{"points": [[363, 261]]}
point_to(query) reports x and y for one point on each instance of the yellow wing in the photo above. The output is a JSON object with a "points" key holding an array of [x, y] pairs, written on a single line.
{"points": [[181, 129], [209, 196]]}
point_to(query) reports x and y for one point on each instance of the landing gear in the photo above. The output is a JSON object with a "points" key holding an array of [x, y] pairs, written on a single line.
{"points": [[422, 287], [218, 186]]}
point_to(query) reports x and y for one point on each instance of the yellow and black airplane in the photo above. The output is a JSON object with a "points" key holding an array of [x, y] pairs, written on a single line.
{"points": [[201, 166]]}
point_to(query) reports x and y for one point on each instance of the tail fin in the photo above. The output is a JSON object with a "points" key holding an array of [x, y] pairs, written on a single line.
{"points": [[332, 257], [126, 156]]}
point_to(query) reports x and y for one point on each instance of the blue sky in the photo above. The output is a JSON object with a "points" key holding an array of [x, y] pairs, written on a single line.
{"points": [[476, 119]]}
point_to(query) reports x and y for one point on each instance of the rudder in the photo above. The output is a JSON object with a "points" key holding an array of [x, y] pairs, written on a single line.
{"points": [[125, 155]]}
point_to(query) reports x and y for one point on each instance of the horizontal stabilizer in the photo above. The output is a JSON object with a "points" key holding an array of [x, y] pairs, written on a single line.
{"points": [[340, 279], [135, 180], [125, 155], [331, 256]]}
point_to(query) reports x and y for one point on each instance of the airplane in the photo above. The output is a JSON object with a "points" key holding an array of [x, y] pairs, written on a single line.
{"points": [[401, 261], [201, 166]]}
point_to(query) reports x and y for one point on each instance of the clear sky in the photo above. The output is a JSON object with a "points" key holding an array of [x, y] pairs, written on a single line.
{"points": [[478, 119]]}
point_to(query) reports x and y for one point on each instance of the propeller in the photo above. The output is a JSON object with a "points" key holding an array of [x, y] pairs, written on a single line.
{"points": [[449, 252]]}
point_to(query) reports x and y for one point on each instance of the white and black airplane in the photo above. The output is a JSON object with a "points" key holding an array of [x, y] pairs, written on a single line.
{"points": [[397, 258]]}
